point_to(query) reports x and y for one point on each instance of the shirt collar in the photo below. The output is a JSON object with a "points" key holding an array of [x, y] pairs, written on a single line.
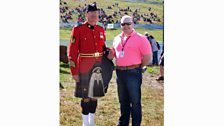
{"points": [[88, 25]]}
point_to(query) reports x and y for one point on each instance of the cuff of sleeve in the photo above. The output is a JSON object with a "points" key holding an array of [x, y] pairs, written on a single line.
{"points": [[74, 71]]}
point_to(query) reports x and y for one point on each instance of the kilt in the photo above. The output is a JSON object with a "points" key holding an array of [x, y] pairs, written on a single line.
{"points": [[95, 83]]}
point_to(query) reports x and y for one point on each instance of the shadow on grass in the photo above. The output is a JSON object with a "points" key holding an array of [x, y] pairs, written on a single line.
{"points": [[64, 72], [64, 65]]}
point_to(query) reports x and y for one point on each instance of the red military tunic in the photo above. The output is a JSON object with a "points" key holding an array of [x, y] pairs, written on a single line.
{"points": [[88, 40]]}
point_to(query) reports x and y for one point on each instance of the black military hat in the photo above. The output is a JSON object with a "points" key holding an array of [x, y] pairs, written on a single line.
{"points": [[91, 7]]}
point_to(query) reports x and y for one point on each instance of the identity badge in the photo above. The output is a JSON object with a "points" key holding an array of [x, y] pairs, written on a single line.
{"points": [[122, 54]]}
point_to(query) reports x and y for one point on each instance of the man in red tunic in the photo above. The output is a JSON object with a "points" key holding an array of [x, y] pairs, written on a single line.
{"points": [[85, 54]]}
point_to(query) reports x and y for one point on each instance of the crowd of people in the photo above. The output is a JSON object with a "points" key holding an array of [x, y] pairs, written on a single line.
{"points": [[67, 14]]}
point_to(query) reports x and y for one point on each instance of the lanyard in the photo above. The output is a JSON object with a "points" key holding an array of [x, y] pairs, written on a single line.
{"points": [[123, 45]]}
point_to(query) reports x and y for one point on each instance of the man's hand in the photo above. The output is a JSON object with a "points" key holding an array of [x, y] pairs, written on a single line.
{"points": [[144, 69], [76, 78], [111, 54]]}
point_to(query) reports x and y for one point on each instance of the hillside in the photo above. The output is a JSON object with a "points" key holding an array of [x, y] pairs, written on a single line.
{"points": [[149, 11]]}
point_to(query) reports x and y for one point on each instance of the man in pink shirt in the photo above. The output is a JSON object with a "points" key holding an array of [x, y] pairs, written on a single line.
{"points": [[132, 52]]}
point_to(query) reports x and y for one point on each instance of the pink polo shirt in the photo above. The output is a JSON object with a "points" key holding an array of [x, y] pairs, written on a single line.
{"points": [[134, 48]]}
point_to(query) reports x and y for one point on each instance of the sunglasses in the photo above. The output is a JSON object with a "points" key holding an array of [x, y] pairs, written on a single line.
{"points": [[123, 24]]}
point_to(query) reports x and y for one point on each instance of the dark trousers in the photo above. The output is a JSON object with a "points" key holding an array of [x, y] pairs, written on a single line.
{"points": [[155, 58], [129, 94]]}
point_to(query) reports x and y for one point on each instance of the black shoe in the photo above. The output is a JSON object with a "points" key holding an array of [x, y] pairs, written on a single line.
{"points": [[61, 86], [160, 78]]}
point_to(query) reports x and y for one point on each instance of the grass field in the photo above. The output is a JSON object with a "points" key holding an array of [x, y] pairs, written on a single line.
{"points": [[110, 34], [108, 111], [108, 107]]}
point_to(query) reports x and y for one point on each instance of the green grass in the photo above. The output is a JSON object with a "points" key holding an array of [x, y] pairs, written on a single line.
{"points": [[158, 34], [65, 34], [65, 75], [108, 110], [153, 70]]}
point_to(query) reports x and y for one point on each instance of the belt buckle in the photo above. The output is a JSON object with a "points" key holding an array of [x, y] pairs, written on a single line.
{"points": [[97, 54]]}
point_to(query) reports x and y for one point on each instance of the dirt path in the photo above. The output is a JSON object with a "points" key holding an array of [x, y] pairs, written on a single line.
{"points": [[150, 80]]}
